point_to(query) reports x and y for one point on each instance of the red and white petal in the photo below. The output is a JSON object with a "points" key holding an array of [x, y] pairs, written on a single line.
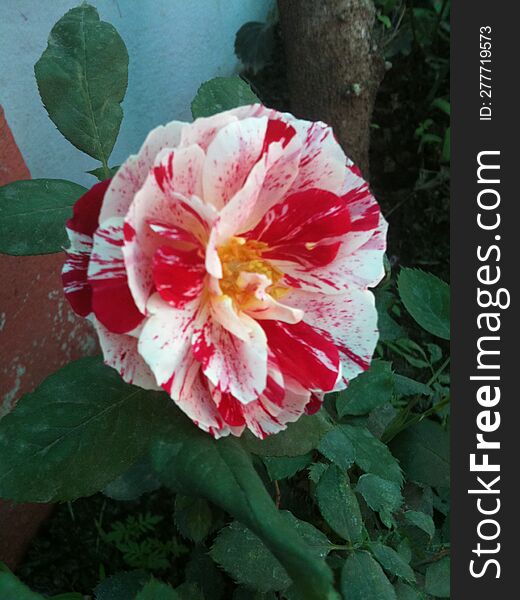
{"points": [[350, 318], [197, 403], [120, 352], [358, 262], [112, 302], [304, 353], [165, 343], [74, 273], [85, 214], [266, 417], [180, 170], [133, 172], [225, 313], [322, 162], [178, 274], [230, 157], [152, 205], [231, 364], [260, 304]]}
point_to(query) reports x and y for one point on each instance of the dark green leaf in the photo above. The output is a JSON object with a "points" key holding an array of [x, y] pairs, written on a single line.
{"points": [[156, 590], [219, 94], [33, 215], [404, 386], [363, 579], [438, 578], [121, 586], [139, 479], [372, 455], [427, 299], [392, 562], [405, 592], [12, 588], [338, 504], [101, 173], [368, 390], [203, 572], [245, 557], [78, 431], [82, 77], [380, 494], [299, 438], [389, 330], [337, 447], [222, 472], [283, 467], [244, 593], [193, 517], [420, 520], [254, 44], [423, 451]]}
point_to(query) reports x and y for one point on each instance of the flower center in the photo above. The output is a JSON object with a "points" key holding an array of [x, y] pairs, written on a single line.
{"points": [[240, 255]]}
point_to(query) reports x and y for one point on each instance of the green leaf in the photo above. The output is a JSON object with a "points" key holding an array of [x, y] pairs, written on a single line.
{"points": [[392, 562], [380, 494], [78, 431], [299, 438], [338, 504], [368, 390], [82, 77], [283, 467], [404, 386], [438, 578], [442, 105], [101, 173], [363, 579], [254, 45], [247, 560], [337, 447], [423, 451], [156, 590], [203, 572], [388, 328], [372, 455], [139, 479], [420, 520], [12, 587], [219, 94], [405, 592], [193, 517], [122, 586], [427, 299], [33, 215], [244, 593], [223, 473]]}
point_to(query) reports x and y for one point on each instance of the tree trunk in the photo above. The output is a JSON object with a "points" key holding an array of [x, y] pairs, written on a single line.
{"points": [[333, 66]]}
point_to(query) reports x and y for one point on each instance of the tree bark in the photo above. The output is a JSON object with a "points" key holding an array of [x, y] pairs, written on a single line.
{"points": [[334, 67]]}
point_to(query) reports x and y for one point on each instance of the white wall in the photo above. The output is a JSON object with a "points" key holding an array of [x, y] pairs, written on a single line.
{"points": [[174, 45]]}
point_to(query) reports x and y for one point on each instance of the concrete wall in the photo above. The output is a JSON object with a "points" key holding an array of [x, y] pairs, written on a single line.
{"points": [[174, 45]]}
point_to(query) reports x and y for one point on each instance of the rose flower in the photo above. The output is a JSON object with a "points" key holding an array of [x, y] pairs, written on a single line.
{"points": [[228, 263]]}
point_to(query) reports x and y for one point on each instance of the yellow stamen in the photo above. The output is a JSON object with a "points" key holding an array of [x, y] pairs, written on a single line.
{"points": [[241, 255]]}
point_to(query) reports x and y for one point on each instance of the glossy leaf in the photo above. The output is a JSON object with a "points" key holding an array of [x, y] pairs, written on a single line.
{"points": [[363, 579], [82, 77], [427, 299], [367, 391], [338, 504], [219, 94], [222, 472], [77, 432], [33, 215]]}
